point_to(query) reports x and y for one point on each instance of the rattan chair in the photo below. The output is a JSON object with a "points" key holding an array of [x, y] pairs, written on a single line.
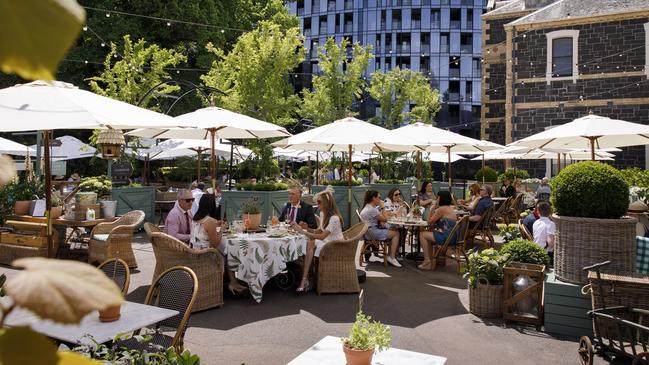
{"points": [[337, 264], [207, 264], [525, 233], [514, 212], [455, 238], [118, 239], [482, 228], [177, 289], [500, 214], [151, 228], [381, 246], [118, 271]]}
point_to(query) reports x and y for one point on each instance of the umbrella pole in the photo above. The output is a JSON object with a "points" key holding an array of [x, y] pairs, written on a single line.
{"points": [[213, 156], [349, 187], [198, 169], [308, 169], [592, 148], [558, 163], [48, 191], [419, 165], [483, 168], [317, 168], [369, 177], [230, 169], [431, 170], [450, 180]]}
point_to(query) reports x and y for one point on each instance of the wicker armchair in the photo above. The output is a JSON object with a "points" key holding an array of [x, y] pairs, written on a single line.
{"points": [[118, 239], [501, 214], [176, 288], [337, 264], [369, 241], [457, 239], [514, 211], [118, 271], [482, 228], [525, 233], [207, 264]]}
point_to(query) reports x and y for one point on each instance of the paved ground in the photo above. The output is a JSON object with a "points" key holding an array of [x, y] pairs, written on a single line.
{"points": [[428, 312]]}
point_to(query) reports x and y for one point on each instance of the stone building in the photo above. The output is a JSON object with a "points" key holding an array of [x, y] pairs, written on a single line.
{"points": [[547, 62]]}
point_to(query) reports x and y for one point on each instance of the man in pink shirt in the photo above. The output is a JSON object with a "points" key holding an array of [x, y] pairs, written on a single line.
{"points": [[178, 222]]}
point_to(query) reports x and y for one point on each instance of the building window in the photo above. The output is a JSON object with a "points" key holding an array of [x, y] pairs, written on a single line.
{"points": [[562, 55], [435, 18], [646, 54]]}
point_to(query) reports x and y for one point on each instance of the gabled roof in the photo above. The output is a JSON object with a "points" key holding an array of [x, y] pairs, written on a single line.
{"points": [[565, 9]]}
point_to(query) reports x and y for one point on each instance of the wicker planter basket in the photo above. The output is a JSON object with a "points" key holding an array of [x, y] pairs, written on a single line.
{"points": [[582, 242], [486, 300], [625, 289]]}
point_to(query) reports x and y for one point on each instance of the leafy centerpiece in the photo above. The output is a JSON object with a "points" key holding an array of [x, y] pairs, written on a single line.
{"points": [[251, 214], [365, 337]]}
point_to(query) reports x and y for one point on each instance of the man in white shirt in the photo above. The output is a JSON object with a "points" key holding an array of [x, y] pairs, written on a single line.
{"points": [[544, 228]]}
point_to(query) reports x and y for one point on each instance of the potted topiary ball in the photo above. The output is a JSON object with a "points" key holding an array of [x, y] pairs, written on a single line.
{"points": [[590, 200]]}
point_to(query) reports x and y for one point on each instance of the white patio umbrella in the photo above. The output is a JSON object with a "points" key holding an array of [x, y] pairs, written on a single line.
{"points": [[349, 135], [212, 123], [443, 141], [46, 106], [70, 148], [9, 147], [591, 132]]}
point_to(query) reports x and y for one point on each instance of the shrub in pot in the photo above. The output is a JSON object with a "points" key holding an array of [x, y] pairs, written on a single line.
{"points": [[590, 199], [489, 174], [365, 337], [524, 251], [484, 271], [251, 214]]}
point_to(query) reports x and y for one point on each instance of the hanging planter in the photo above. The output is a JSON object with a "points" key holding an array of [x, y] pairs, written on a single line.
{"points": [[110, 142]]}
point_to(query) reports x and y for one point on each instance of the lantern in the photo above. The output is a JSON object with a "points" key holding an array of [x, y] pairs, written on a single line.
{"points": [[110, 142]]}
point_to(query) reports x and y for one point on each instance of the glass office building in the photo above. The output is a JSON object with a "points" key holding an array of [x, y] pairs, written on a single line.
{"points": [[440, 38]]}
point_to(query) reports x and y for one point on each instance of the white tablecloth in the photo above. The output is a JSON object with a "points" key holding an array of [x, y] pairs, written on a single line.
{"points": [[256, 258]]}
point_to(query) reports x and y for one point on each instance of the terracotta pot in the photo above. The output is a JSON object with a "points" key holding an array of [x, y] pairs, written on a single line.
{"points": [[110, 314], [358, 357], [21, 207], [56, 212], [254, 221]]}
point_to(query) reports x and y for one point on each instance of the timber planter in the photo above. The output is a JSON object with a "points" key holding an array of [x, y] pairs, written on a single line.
{"points": [[583, 241], [523, 293], [340, 196]]}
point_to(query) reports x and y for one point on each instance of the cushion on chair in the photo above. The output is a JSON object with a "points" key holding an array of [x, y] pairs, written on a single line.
{"points": [[100, 237]]}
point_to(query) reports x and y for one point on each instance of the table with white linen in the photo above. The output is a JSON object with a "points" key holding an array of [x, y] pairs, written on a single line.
{"points": [[257, 258], [133, 317], [329, 351]]}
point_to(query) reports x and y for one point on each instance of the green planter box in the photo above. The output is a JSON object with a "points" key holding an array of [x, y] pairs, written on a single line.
{"points": [[135, 198], [384, 189], [566, 309], [269, 202]]}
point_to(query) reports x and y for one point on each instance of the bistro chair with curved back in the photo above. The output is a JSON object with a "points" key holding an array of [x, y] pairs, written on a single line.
{"points": [[337, 263], [150, 228], [514, 211], [381, 246], [455, 239], [207, 264], [525, 233], [500, 214], [482, 228], [176, 288], [114, 239], [118, 271]]}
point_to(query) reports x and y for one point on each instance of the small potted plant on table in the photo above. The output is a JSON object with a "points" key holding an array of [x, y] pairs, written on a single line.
{"points": [[365, 337], [251, 214]]}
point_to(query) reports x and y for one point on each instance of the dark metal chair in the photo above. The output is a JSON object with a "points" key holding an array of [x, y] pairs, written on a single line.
{"points": [[176, 288], [118, 271]]}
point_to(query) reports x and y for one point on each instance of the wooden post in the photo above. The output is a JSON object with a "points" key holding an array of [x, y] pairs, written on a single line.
{"points": [[213, 156], [48, 191], [419, 165], [483, 168], [317, 168], [450, 170], [349, 188], [558, 163], [230, 168], [198, 171], [309, 173]]}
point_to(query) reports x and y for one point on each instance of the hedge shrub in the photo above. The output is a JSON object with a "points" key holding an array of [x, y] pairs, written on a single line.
{"points": [[512, 174], [590, 189], [490, 175], [263, 186], [525, 251]]}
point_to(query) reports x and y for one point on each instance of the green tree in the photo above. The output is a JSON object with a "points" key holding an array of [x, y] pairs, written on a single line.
{"points": [[255, 74], [139, 68], [398, 88], [340, 82]]}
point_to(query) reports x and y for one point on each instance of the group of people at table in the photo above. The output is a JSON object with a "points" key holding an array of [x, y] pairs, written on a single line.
{"points": [[195, 220]]}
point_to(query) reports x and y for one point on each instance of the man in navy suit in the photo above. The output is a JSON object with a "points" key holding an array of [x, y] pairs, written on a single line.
{"points": [[296, 210]]}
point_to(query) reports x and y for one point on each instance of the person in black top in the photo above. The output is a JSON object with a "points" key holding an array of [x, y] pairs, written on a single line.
{"points": [[507, 189], [297, 211]]}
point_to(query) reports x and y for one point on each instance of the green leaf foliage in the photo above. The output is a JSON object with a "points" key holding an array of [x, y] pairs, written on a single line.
{"points": [[520, 250], [339, 83], [263, 186], [490, 175], [366, 334], [398, 88], [590, 189], [485, 267], [513, 174], [341, 182], [98, 184]]}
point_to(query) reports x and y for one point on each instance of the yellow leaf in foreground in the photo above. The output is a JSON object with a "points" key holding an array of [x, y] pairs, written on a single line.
{"points": [[63, 291], [21, 346], [72, 358], [36, 34]]}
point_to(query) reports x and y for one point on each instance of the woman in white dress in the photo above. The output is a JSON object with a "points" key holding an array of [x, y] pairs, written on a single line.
{"points": [[330, 229], [206, 233]]}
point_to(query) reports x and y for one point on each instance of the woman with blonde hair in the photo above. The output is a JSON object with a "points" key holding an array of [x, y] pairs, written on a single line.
{"points": [[474, 196], [330, 229]]}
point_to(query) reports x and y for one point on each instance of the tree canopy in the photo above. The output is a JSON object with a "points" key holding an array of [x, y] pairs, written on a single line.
{"points": [[340, 82]]}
